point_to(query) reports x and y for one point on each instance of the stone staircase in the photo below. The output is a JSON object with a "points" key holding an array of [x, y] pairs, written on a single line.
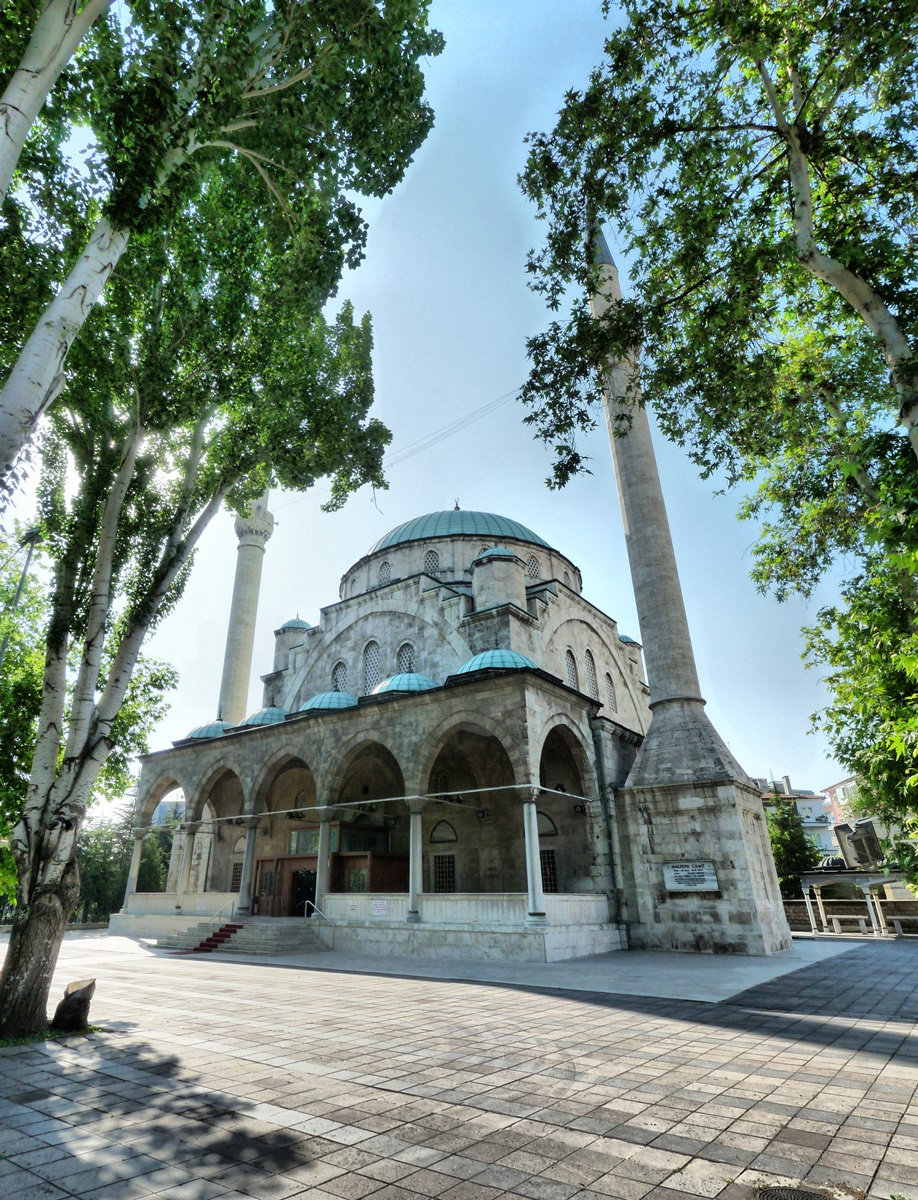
{"points": [[260, 936]]}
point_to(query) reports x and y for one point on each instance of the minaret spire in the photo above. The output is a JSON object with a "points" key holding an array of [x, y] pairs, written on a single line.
{"points": [[253, 532], [704, 875]]}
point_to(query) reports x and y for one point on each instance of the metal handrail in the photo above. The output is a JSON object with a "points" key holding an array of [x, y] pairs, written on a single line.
{"points": [[230, 904], [315, 907]]}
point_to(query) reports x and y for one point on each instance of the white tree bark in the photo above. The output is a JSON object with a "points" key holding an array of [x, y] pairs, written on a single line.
{"points": [[61, 26], [38, 377], [866, 302]]}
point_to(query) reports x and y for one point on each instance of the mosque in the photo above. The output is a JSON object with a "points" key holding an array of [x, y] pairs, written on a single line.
{"points": [[466, 758]]}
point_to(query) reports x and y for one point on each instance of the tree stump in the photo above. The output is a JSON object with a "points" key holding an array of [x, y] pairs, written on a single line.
{"points": [[72, 1014]]}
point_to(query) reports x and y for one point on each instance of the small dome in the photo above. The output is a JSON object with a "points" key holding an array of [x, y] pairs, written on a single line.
{"points": [[496, 660], [409, 681], [628, 641], [498, 552], [326, 701], [265, 716], [296, 623], [211, 730]]}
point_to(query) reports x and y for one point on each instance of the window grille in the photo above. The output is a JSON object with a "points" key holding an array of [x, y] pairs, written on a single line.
{"points": [[405, 661], [610, 693], [533, 570], [384, 575], [591, 676], [370, 667], [549, 871], [570, 664], [339, 677], [441, 783], [236, 881], [444, 867], [267, 884], [567, 579], [432, 562]]}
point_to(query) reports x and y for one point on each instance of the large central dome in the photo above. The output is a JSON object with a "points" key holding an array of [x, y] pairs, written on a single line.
{"points": [[456, 522]]}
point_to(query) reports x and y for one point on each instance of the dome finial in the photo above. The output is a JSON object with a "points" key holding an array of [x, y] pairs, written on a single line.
{"points": [[456, 505]]}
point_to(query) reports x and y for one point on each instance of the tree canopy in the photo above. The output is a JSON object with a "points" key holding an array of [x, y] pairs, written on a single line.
{"points": [[757, 163], [318, 100]]}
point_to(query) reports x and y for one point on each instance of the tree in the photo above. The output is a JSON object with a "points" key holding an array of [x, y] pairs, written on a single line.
{"points": [[316, 99], [792, 849], [40, 38], [23, 625], [104, 850], [219, 381], [758, 163]]}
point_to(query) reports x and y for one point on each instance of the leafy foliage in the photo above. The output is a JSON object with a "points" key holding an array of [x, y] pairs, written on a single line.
{"points": [[758, 163], [792, 849], [104, 849]]}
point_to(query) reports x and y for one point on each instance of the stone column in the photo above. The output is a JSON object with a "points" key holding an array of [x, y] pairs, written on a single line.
{"points": [[191, 829], [874, 922], [822, 909], [134, 871], [322, 862], [253, 532], [244, 908], [809, 910], [536, 902], [415, 859]]}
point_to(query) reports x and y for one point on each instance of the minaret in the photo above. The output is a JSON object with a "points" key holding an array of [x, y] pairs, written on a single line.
{"points": [[704, 877], [253, 532]]}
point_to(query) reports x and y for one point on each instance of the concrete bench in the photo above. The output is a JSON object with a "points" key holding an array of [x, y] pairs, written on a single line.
{"points": [[850, 919]]}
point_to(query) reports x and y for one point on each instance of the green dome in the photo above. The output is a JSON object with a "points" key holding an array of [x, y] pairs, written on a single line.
{"points": [[296, 623], [211, 730], [265, 716], [627, 641], [457, 522], [496, 660], [497, 552], [408, 681], [329, 700]]}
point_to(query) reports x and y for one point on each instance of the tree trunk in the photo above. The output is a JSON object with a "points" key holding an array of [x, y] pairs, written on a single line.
{"points": [[37, 378], [60, 28], [35, 941]]}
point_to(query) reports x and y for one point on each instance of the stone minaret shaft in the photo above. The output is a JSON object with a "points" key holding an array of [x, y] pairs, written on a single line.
{"points": [[253, 532], [675, 694]]}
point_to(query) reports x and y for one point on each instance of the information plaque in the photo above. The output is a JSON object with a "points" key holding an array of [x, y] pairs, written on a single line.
{"points": [[690, 877], [379, 908]]}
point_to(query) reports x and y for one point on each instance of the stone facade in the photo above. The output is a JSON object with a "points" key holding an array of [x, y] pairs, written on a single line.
{"points": [[440, 767]]}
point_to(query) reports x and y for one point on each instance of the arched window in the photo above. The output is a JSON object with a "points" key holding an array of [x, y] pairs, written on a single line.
{"points": [[591, 676], [546, 826], [339, 677], [432, 562], [567, 579], [370, 666], [239, 846], [533, 570], [610, 693], [405, 660], [570, 665], [384, 574], [483, 550], [443, 832], [441, 783]]}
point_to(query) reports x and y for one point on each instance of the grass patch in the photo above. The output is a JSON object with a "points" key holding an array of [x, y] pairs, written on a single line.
{"points": [[49, 1035]]}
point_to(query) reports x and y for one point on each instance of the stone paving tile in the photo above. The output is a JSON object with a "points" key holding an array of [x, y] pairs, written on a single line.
{"points": [[408, 1089]]}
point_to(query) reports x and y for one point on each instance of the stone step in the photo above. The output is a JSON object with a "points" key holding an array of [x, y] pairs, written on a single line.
{"points": [[259, 937]]}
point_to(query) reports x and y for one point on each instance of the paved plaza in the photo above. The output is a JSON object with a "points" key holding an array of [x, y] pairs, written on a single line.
{"points": [[218, 1078]]}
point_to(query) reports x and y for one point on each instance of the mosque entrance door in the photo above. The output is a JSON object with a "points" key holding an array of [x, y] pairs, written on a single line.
{"points": [[302, 891]]}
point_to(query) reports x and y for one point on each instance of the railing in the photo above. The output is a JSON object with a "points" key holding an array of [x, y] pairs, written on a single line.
{"points": [[315, 908], [231, 905]]}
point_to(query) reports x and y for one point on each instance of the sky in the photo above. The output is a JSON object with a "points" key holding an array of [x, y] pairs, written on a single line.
{"points": [[444, 280]]}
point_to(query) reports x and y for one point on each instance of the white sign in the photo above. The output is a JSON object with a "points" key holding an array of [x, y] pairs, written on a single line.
{"points": [[379, 908], [352, 906], [690, 877]]}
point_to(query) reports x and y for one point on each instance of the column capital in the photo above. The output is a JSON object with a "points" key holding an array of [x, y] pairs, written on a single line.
{"points": [[191, 826], [531, 795], [416, 805], [141, 831]]}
